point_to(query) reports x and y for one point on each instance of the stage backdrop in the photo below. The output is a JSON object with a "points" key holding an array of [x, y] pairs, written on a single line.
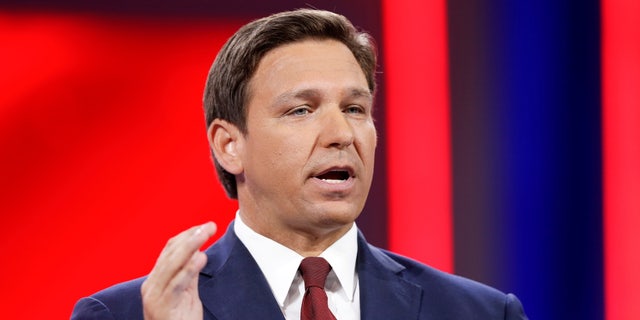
{"points": [[508, 143]]}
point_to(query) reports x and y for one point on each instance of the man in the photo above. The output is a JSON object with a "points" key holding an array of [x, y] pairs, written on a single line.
{"points": [[288, 107]]}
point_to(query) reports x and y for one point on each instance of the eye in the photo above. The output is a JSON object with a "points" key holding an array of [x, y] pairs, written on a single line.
{"points": [[299, 111], [354, 109]]}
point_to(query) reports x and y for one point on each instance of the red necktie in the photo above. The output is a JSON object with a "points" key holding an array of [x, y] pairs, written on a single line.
{"points": [[314, 271]]}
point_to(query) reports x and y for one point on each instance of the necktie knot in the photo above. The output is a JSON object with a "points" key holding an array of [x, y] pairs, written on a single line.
{"points": [[314, 271]]}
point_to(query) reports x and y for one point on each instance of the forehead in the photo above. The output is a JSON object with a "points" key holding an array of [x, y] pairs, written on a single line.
{"points": [[310, 64], [306, 47]]}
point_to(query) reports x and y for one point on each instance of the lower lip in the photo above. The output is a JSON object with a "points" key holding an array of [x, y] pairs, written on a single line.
{"points": [[342, 186]]}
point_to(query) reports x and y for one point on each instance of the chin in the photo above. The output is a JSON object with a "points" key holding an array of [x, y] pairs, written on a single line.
{"points": [[339, 215]]}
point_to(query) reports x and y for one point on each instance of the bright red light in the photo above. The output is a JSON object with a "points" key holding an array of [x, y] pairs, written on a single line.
{"points": [[104, 153], [621, 149], [418, 130]]}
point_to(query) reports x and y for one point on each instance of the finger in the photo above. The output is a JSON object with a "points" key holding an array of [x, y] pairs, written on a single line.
{"points": [[153, 288], [179, 250], [176, 255], [179, 240], [187, 277], [181, 295]]}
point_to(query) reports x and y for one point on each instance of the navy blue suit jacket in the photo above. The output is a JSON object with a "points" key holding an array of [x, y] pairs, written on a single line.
{"points": [[231, 286]]}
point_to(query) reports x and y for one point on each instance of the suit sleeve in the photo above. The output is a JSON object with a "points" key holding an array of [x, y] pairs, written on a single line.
{"points": [[91, 309], [513, 308]]}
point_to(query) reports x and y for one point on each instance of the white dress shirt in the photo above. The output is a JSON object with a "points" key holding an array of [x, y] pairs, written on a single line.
{"points": [[279, 265]]}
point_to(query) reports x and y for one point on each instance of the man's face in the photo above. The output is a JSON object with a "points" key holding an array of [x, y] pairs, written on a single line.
{"points": [[308, 153]]}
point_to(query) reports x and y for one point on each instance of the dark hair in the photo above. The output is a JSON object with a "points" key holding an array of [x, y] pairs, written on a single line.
{"points": [[226, 92]]}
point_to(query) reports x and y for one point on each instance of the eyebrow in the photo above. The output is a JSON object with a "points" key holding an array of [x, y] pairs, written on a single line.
{"points": [[361, 93], [309, 94]]}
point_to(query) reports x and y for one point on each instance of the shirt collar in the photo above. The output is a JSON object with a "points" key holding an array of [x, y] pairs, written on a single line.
{"points": [[279, 264], [342, 255]]}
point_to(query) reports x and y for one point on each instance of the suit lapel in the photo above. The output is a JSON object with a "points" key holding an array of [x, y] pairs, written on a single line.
{"points": [[384, 293], [232, 286]]}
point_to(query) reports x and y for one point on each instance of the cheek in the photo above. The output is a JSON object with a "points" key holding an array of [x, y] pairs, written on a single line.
{"points": [[368, 142], [283, 153]]}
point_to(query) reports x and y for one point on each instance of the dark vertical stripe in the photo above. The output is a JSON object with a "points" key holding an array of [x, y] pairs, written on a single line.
{"points": [[475, 237]]}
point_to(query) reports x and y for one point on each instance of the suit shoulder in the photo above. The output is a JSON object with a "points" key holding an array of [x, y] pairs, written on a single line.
{"points": [[426, 275], [121, 301], [472, 299]]}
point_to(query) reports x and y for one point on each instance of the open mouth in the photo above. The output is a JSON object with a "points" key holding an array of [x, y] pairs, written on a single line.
{"points": [[335, 176]]}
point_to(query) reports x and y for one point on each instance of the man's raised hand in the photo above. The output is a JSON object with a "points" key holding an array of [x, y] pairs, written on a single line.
{"points": [[171, 290]]}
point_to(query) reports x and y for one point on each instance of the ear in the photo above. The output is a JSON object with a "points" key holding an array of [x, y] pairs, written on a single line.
{"points": [[225, 139]]}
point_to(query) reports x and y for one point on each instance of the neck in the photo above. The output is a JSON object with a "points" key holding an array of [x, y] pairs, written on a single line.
{"points": [[307, 241]]}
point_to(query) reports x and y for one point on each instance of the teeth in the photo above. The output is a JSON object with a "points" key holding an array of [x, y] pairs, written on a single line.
{"points": [[334, 181]]}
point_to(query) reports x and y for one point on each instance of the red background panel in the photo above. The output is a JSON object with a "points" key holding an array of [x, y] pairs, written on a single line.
{"points": [[621, 145], [418, 131], [104, 154]]}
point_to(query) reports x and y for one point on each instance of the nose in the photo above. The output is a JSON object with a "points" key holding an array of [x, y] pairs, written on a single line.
{"points": [[336, 131]]}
